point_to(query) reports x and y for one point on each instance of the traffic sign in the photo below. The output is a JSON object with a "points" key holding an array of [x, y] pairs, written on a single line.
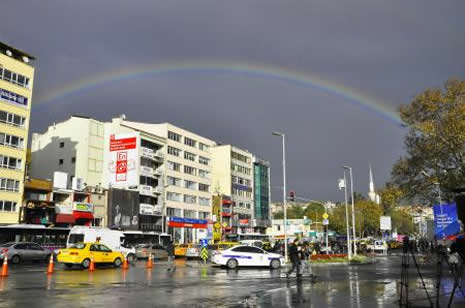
{"points": [[204, 254], [325, 222], [204, 242], [325, 216], [217, 225], [225, 224]]}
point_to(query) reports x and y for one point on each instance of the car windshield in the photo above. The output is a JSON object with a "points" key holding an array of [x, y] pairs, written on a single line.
{"points": [[143, 246], [7, 245], [78, 246]]}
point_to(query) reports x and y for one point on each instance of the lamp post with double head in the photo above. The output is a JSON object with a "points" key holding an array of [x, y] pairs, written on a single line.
{"points": [[283, 136], [353, 208]]}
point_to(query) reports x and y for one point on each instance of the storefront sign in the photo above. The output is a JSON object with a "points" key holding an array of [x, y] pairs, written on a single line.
{"points": [[63, 209], [83, 207], [243, 222], [180, 222]]}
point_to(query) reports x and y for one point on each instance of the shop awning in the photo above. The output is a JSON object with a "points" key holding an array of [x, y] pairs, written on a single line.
{"points": [[65, 218], [83, 215]]}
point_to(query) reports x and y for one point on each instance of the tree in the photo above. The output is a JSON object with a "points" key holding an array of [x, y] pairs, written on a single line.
{"points": [[315, 211], [402, 221], [390, 196], [367, 214], [435, 143]]}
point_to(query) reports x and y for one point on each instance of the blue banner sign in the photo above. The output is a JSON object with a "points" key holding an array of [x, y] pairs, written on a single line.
{"points": [[445, 220]]}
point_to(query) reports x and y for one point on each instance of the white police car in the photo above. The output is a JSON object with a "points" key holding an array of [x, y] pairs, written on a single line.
{"points": [[247, 256]]}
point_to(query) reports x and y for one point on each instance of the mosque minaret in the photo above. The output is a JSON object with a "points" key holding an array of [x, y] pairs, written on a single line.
{"points": [[372, 195]]}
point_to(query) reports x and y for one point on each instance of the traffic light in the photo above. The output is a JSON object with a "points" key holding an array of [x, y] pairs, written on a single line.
{"points": [[292, 196]]}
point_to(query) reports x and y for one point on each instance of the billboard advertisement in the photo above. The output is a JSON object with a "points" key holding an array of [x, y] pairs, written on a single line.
{"points": [[385, 222], [123, 209], [445, 220], [123, 160]]}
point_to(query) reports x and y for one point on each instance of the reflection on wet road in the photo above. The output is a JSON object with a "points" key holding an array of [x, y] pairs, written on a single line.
{"points": [[374, 285]]}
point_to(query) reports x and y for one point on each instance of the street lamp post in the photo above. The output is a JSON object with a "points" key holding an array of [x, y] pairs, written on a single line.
{"points": [[349, 248], [439, 195], [353, 209], [283, 136]]}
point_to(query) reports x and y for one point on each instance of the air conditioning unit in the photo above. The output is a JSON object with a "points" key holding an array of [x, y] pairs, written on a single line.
{"points": [[78, 184]]}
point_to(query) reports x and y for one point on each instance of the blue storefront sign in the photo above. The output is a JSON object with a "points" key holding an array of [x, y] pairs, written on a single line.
{"points": [[445, 220]]}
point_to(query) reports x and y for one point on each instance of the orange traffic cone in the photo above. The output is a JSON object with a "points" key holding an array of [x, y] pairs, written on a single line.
{"points": [[51, 266], [5, 266], [149, 262], [125, 263], [92, 264]]}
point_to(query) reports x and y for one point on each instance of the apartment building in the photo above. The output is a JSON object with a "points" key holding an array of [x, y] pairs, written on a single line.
{"points": [[74, 146], [16, 83], [233, 175], [262, 195], [187, 181]]}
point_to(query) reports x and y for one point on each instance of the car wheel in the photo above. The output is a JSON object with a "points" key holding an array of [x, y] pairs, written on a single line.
{"points": [[275, 264], [86, 263], [68, 265], [232, 263], [131, 258], [117, 262], [15, 259]]}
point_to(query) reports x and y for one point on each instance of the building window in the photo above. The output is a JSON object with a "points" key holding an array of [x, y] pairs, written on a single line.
{"points": [[189, 156], [62, 144], [9, 185], [204, 215], [190, 184], [172, 196], [204, 160], [73, 160], [11, 162], [12, 119], [204, 174], [13, 77], [173, 212], [204, 201], [173, 181], [60, 161], [174, 166], [173, 151], [174, 136], [190, 199], [190, 142], [11, 97], [190, 214], [240, 157], [190, 170], [11, 141], [204, 187], [7, 206], [203, 147], [247, 206]]}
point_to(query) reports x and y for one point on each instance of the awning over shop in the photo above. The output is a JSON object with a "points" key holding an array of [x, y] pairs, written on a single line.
{"points": [[65, 218], [83, 215]]}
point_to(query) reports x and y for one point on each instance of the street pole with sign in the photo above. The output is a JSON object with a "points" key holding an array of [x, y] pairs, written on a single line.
{"points": [[342, 185]]}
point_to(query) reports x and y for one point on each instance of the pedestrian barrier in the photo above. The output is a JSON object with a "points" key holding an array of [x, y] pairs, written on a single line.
{"points": [[5, 266], [92, 264], [51, 266], [125, 263], [149, 264]]}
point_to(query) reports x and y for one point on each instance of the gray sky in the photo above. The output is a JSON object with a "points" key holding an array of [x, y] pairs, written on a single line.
{"points": [[389, 50]]}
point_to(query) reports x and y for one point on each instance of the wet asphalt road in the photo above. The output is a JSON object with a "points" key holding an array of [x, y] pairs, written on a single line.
{"points": [[375, 285]]}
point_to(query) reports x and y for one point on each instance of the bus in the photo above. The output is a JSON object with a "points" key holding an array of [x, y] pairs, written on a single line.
{"points": [[48, 238], [133, 238]]}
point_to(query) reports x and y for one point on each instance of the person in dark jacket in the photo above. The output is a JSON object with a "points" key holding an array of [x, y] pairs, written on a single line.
{"points": [[170, 250], [295, 259]]}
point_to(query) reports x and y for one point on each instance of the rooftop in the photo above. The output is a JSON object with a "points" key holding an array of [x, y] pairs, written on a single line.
{"points": [[16, 53]]}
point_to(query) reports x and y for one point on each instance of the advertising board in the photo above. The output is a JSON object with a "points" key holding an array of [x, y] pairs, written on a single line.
{"points": [[123, 209], [445, 220], [123, 160]]}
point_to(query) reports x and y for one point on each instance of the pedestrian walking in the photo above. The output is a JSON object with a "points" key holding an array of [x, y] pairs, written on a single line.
{"points": [[171, 263], [304, 262], [295, 258]]}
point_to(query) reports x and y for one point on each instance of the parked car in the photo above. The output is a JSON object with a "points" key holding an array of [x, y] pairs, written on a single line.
{"points": [[18, 252], [81, 253], [157, 251], [247, 256]]}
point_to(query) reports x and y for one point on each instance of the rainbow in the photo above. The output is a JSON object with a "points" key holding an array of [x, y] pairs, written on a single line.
{"points": [[250, 70]]}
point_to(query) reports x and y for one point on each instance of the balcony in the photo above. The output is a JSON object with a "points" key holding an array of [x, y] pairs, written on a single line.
{"points": [[159, 155], [146, 171], [158, 171], [146, 190], [146, 152], [158, 190]]}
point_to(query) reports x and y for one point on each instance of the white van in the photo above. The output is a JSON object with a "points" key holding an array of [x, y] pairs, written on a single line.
{"points": [[114, 239]]}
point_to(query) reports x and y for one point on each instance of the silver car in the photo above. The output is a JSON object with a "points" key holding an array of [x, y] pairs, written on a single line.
{"points": [[157, 251], [18, 252]]}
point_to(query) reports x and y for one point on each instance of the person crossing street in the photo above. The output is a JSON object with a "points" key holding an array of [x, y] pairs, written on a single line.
{"points": [[295, 259]]}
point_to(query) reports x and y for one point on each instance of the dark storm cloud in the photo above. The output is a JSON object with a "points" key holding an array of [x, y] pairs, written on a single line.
{"points": [[391, 50]]}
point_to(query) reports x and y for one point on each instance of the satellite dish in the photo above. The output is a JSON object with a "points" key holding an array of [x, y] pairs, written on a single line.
{"points": [[25, 59], [9, 53], [123, 116]]}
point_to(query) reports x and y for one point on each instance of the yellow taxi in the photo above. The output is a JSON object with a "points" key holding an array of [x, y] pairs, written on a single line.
{"points": [[81, 253], [180, 250]]}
